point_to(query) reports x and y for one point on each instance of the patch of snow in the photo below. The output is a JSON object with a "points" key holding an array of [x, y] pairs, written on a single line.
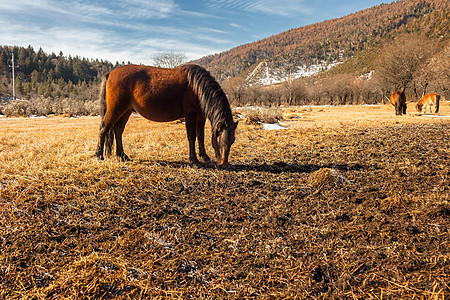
{"points": [[366, 76], [435, 116], [318, 106], [276, 126], [38, 117], [279, 75]]}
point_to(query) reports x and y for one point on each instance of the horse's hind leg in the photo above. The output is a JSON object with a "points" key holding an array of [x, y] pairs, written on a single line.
{"points": [[101, 142], [118, 130], [200, 130], [104, 136]]}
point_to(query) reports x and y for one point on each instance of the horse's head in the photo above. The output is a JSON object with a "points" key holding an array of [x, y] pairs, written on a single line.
{"points": [[222, 139], [419, 108]]}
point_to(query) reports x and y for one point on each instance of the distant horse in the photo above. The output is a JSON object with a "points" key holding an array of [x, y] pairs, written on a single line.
{"points": [[398, 99], [428, 100], [164, 95]]}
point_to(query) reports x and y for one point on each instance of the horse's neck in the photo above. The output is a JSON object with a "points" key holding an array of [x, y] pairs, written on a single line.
{"points": [[217, 112]]}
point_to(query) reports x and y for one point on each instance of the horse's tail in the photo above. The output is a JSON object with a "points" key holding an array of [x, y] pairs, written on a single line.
{"points": [[102, 95], [438, 97], [109, 139]]}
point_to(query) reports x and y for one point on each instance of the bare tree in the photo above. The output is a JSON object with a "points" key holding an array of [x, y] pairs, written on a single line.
{"points": [[438, 72], [401, 61], [235, 88], [293, 91], [169, 59]]}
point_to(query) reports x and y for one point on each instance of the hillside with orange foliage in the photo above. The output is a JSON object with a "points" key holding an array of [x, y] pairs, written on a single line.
{"points": [[335, 39]]}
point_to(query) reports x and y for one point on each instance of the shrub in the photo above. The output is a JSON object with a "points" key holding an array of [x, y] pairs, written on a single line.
{"points": [[46, 106], [262, 115]]}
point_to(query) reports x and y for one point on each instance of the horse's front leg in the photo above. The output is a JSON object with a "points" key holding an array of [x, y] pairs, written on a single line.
{"points": [[118, 130], [200, 128], [191, 134]]}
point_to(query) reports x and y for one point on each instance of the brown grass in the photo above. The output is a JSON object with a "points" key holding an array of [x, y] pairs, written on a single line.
{"points": [[349, 202]]}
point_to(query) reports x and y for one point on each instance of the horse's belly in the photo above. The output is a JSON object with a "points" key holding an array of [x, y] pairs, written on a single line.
{"points": [[159, 111]]}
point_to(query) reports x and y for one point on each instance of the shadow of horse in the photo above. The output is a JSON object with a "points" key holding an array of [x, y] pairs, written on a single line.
{"points": [[273, 168]]}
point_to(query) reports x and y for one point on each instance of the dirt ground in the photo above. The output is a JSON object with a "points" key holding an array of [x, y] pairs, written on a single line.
{"points": [[346, 203]]}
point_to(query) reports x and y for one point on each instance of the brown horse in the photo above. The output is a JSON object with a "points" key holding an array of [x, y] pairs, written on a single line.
{"points": [[164, 95], [428, 100], [398, 99]]}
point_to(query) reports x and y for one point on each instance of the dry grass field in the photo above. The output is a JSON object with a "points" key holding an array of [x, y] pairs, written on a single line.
{"points": [[346, 203]]}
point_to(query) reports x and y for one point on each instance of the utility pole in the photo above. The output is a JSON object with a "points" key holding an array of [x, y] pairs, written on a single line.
{"points": [[13, 76]]}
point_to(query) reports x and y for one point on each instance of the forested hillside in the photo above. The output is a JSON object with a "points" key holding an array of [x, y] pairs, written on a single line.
{"points": [[47, 75], [336, 39], [44, 78]]}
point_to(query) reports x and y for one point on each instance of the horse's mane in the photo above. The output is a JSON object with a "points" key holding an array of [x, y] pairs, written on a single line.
{"points": [[213, 100]]}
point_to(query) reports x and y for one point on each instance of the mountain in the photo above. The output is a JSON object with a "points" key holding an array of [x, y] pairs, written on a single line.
{"points": [[333, 42]]}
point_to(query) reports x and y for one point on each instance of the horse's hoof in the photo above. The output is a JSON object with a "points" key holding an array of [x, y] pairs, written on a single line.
{"points": [[124, 157], [195, 162], [205, 158], [221, 167]]}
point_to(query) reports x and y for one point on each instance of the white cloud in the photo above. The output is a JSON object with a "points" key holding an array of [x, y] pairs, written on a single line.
{"points": [[269, 7], [238, 26], [147, 9]]}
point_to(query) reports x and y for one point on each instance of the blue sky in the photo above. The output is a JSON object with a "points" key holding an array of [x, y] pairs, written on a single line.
{"points": [[137, 30]]}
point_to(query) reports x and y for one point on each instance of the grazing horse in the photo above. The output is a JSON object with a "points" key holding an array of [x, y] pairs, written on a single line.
{"points": [[428, 100], [164, 95], [398, 99]]}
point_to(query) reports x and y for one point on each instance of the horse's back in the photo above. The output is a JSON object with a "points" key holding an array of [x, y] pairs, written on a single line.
{"points": [[429, 99], [158, 94], [130, 77], [433, 98]]}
